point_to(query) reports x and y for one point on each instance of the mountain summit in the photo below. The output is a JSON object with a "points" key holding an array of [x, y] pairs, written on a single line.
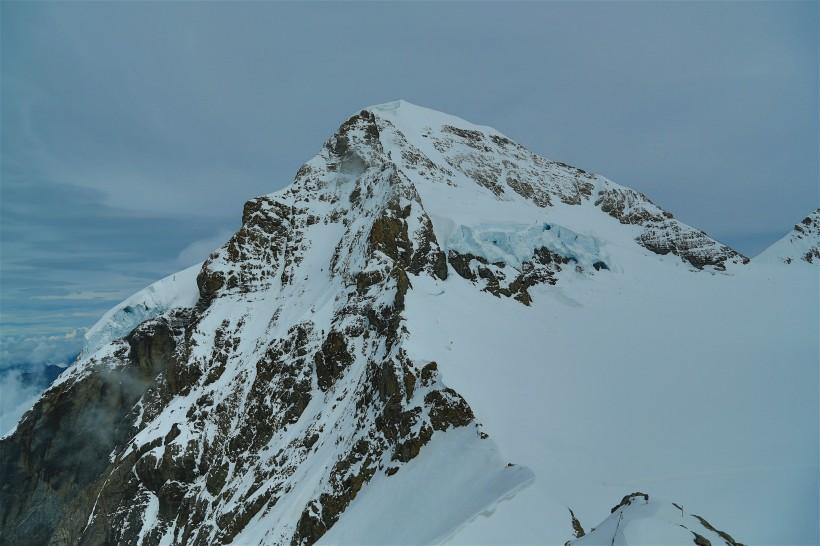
{"points": [[432, 335], [801, 244]]}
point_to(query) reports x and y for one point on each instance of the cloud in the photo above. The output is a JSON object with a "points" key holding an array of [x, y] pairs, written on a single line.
{"points": [[36, 350], [199, 250], [67, 257], [86, 295], [18, 397]]}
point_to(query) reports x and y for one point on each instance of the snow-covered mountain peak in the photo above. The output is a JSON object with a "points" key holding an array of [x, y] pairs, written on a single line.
{"points": [[463, 174], [413, 119], [485, 198], [800, 245], [639, 520], [421, 340]]}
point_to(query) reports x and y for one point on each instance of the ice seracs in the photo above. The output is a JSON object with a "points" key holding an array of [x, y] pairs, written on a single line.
{"points": [[176, 290]]}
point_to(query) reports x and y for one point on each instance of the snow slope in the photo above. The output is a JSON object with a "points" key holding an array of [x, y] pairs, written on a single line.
{"points": [[436, 336], [459, 478], [701, 389], [801, 245], [639, 520], [176, 290]]}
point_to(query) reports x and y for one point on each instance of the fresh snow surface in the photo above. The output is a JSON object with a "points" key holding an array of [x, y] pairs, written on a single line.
{"points": [[459, 478], [698, 388], [800, 246], [176, 290], [651, 523]]}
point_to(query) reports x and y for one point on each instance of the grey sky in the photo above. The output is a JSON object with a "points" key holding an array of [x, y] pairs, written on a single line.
{"points": [[133, 132]]}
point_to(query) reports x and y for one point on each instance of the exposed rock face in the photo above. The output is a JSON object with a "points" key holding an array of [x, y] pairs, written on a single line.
{"points": [[257, 414], [577, 528], [809, 230], [541, 268], [662, 234], [629, 499], [800, 245], [497, 163], [53, 465], [212, 417]]}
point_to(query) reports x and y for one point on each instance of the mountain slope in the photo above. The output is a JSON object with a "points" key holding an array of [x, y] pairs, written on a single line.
{"points": [[639, 520], [337, 357], [177, 290], [801, 244]]}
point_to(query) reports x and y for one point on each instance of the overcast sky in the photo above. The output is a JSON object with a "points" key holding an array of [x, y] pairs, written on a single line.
{"points": [[133, 132]]}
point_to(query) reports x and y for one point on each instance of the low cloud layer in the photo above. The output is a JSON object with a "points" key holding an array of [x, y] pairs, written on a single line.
{"points": [[37, 350], [201, 249], [18, 397]]}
